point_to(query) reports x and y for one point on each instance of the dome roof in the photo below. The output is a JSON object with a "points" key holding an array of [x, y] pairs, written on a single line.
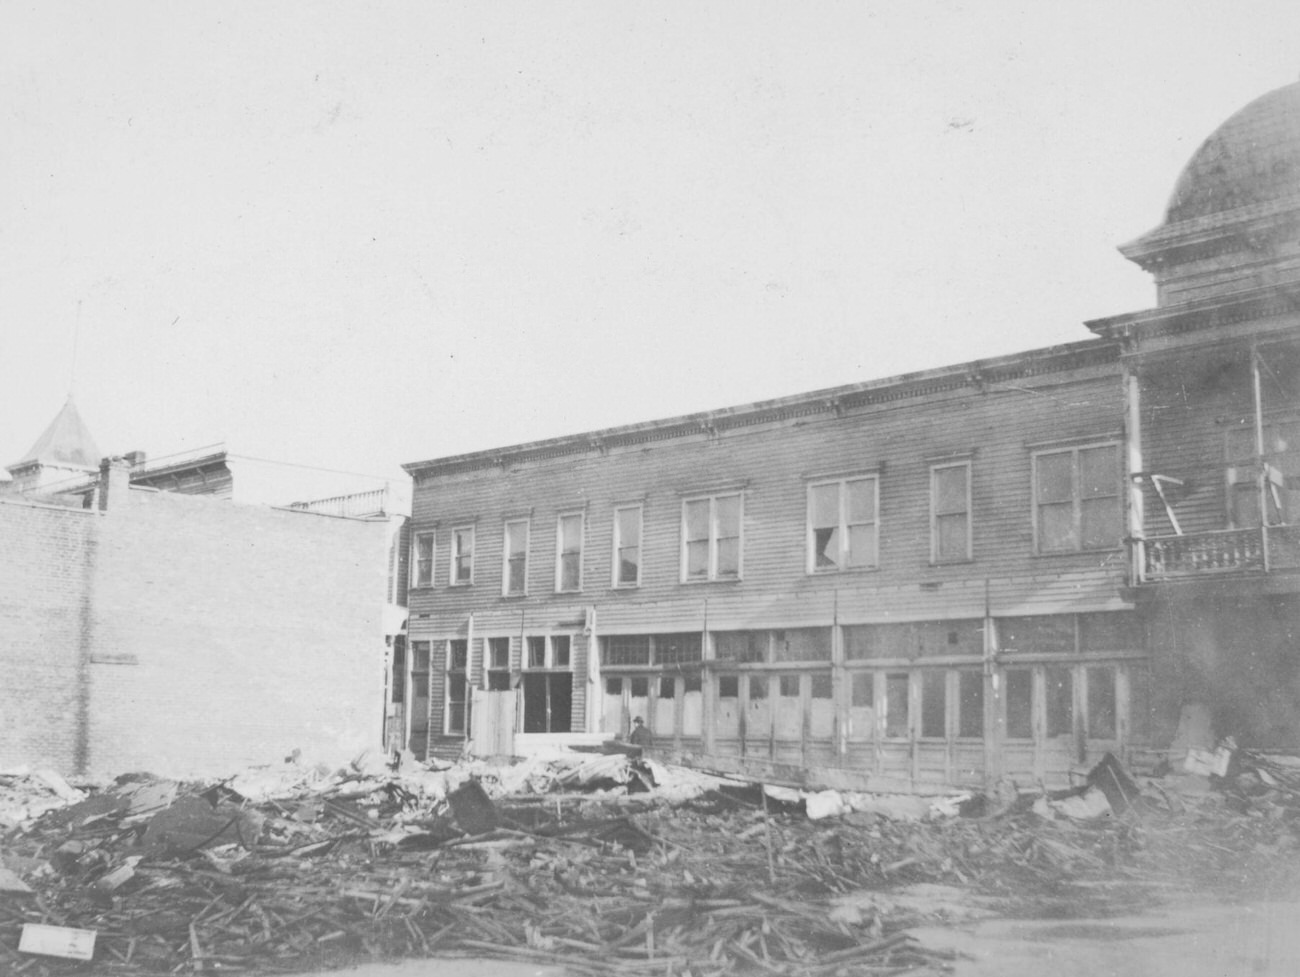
{"points": [[1253, 158]]}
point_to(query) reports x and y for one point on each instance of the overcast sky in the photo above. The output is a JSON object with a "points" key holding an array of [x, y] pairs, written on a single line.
{"points": [[359, 234]]}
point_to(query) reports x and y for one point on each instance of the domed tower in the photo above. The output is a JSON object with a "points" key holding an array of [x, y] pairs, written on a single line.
{"points": [[1233, 221], [1212, 398]]}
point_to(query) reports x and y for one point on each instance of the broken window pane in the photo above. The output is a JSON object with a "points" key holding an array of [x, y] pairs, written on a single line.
{"points": [[1101, 703], [1060, 702], [1020, 699], [896, 703], [934, 696], [970, 715]]}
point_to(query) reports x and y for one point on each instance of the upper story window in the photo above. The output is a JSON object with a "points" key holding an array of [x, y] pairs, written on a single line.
{"points": [[1077, 499], [515, 557], [627, 546], [462, 555], [568, 557], [422, 569], [711, 537], [843, 528], [950, 524]]}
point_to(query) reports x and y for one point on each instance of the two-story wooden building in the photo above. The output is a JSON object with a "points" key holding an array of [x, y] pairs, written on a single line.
{"points": [[995, 569]]}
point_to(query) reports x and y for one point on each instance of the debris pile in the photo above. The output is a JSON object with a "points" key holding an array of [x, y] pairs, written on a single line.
{"points": [[601, 865]]}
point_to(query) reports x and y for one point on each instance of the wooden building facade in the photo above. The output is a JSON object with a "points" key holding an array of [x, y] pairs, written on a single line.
{"points": [[946, 578]]}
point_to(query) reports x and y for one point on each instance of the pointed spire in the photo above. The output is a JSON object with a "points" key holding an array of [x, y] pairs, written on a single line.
{"points": [[65, 443]]}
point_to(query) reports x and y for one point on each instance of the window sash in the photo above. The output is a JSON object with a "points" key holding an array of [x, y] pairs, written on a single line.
{"points": [[950, 504], [568, 539], [1077, 499], [425, 552], [627, 546], [712, 537], [462, 556], [515, 555], [843, 524]]}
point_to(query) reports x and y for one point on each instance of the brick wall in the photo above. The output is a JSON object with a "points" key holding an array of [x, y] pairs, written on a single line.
{"points": [[188, 636], [44, 632]]}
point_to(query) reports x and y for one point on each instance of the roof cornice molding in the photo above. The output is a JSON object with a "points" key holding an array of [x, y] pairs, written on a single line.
{"points": [[835, 401]]}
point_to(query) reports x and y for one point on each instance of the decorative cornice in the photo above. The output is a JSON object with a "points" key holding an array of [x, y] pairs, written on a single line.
{"points": [[834, 402]]}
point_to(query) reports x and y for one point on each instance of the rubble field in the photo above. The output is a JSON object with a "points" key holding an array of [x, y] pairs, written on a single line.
{"points": [[599, 864]]}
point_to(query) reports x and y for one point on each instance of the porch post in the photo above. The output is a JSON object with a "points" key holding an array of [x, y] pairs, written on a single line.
{"points": [[1136, 501], [1261, 474]]}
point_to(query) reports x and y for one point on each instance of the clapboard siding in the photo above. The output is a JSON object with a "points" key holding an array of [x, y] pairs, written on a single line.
{"points": [[997, 427]]}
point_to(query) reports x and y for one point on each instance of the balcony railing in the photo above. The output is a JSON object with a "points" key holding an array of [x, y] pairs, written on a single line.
{"points": [[1226, 551], [356, 505]]}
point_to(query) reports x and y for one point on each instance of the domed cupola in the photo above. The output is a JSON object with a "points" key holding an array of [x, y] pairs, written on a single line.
{"points": [[1233, 221]]}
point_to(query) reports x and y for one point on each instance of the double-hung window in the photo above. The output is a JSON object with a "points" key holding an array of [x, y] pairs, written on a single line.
{"points": [[458, 698], [1077, 499], [843, 526], [515, 557], [950, 525], [568, 552], [424, 551], [627, 546], [462, 555], [711, 537]]}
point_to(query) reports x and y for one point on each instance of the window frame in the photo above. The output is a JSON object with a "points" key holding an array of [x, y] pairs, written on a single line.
{"points": [[616, 561], [842, 508], [417, 579], [451, 673], [1076, 496], [506, 556], [714, 538], [560, 552], [456, 551], [935, 515]]}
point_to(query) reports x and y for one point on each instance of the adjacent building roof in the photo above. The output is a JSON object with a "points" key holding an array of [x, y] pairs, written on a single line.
{"points": [[66, 442]]}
